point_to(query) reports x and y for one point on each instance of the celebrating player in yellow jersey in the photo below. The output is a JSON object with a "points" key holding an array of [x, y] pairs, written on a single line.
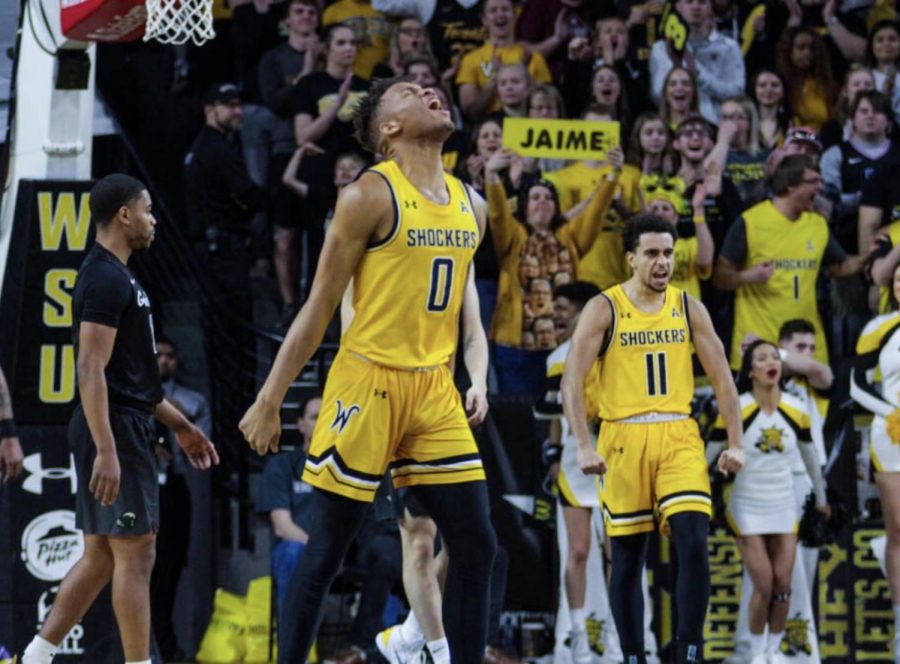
{"points": [[642, 331], [406, 233]]}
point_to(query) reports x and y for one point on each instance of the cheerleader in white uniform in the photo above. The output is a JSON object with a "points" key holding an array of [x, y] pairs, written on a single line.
{"points": [[879, 348], [760, 505]]}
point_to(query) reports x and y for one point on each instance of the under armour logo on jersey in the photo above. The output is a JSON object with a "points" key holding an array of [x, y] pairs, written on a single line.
{"points": [[410, 204], [343, 416], [381, 393], [675, 313], [624, 314], [809, 246], [37, 474], [463, 208], [142, 299]]}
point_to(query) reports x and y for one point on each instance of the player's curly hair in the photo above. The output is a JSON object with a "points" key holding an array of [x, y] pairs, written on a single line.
{"points": [[645, 222], [365, 113]]}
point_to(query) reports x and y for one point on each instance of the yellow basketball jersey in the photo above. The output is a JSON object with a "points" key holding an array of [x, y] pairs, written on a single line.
{"points": [[645, 360], [796, 248], [408, 288]]}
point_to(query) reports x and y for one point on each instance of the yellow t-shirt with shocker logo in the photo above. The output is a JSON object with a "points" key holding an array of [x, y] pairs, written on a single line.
{"points": [[797, 248]]}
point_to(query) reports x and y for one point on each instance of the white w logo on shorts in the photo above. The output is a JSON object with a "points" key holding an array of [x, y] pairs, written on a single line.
{"points": [[343, 416]]}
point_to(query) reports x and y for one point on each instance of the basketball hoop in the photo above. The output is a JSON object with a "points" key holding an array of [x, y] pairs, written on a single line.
{"points": [[179, 21]]}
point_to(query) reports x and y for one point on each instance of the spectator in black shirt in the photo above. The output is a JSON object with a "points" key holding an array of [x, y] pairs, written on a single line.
{"points": [[321, 105], [111, 430], [280, 69], [221, 197]]}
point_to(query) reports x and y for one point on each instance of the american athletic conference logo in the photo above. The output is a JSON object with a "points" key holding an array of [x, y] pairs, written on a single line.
{"points": [[342, 419]]}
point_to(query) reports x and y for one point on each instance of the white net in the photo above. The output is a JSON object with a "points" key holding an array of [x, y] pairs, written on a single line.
{"points": [[179, 21]]}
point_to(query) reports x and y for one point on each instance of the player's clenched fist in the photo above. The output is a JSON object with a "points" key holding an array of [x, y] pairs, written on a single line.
{"points": [[261, 426], [590, 462], [731, 461]]}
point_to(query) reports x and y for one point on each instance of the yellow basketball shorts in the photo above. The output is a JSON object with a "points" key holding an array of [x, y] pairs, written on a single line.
{"points": [[373, 416], [653, 469]]}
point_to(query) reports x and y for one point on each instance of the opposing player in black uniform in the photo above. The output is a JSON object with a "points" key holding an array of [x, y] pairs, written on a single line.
{"points": [[111, 432]]}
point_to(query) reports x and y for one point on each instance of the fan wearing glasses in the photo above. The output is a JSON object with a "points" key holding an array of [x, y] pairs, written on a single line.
{"points": [[772, 256]]}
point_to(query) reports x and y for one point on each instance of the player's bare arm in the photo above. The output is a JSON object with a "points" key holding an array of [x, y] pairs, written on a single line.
{"points": [[197, 447], [95, 347], [10, 449], [475, 353], [593, 325], [712, 357], [475, 343], [364, 212]]}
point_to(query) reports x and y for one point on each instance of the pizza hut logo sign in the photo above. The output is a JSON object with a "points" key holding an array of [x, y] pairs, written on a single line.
{"points": [[51, 545]]}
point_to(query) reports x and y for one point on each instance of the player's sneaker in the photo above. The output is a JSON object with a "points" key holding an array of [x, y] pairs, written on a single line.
{"points": [[394, 649], [760, 658], [581, 651], [778, 658]]}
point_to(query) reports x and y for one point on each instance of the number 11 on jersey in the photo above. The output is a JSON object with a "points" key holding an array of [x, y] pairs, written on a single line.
{"points": [[657, 378]]}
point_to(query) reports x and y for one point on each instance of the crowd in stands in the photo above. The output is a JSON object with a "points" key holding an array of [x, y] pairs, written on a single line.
{"points": [[768, 138], [703, 130]]}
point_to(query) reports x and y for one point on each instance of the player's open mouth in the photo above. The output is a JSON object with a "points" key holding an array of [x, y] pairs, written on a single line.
{"points": [[772, 373]]}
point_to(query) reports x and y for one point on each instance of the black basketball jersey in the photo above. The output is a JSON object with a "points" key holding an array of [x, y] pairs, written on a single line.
{"points": [[107, 293]]}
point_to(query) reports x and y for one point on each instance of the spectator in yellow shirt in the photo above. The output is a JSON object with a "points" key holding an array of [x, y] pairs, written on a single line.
{"points": [[604, 264], [477, 76], [538, 250], [372, 29]]}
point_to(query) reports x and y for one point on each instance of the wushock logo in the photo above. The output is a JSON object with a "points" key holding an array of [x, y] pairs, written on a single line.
{"points": [[343, 416]]}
